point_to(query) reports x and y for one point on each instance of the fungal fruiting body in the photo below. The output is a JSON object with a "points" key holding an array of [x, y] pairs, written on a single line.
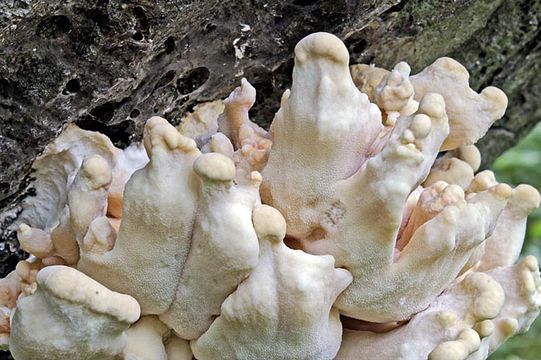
{"points": [[355, 228]]}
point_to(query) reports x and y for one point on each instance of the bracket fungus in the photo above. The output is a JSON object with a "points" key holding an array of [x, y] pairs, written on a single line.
{"points": [[355, 228]]}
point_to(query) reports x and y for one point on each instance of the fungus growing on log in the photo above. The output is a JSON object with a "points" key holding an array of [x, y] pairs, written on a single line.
{"points": [[355, 228]]}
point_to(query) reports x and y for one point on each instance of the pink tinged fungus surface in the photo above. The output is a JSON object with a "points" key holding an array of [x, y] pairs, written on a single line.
{"points": [[470, 113], [355, 228]]}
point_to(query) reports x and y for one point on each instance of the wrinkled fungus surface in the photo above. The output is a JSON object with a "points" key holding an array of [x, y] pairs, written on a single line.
{"points": [[355, 228]]}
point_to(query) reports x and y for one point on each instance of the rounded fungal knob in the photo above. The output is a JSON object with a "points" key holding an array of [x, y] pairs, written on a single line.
{"points": [[214, 167]]}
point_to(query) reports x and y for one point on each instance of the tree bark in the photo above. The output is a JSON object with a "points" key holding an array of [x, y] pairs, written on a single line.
{"points": [[109, 65]]}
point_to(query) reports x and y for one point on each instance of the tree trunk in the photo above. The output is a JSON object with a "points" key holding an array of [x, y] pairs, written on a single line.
{"points": [[109, 65]]}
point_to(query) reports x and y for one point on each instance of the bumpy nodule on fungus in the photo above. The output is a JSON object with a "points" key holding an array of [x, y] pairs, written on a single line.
{"points": [[355, 228]]}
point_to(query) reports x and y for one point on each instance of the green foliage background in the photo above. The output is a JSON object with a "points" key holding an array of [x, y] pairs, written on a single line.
{"points": [[522, 165]]}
